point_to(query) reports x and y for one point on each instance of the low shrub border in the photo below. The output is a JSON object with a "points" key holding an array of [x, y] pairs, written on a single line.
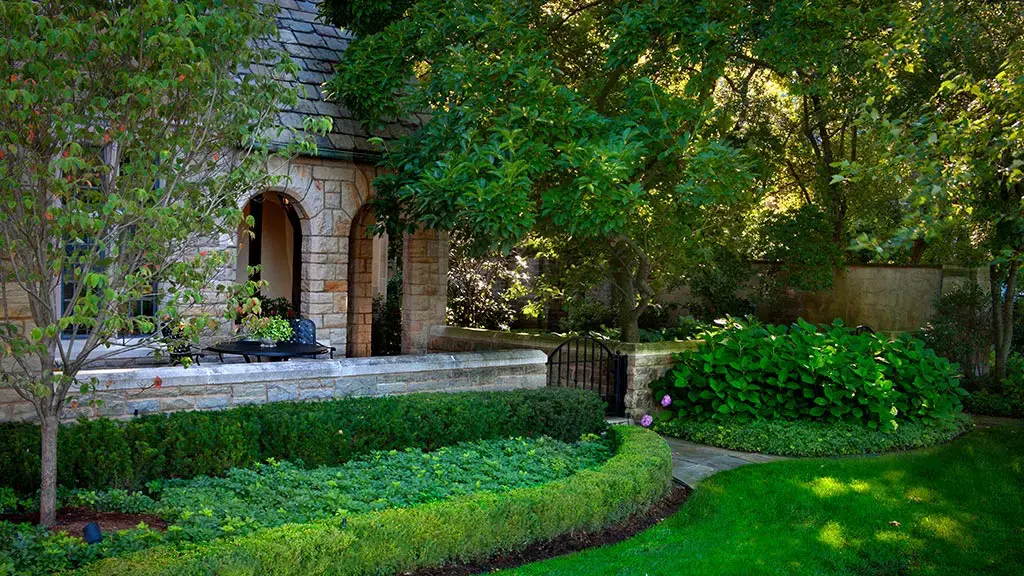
{"points": [[111, 454], [813, 438], [464, 529], [994, 404]]}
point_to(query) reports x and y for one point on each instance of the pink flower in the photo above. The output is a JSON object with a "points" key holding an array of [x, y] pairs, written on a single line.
{"points": [[646, 421], [666, 401]]}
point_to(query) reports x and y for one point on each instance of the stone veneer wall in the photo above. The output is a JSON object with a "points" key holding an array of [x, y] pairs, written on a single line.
{"points": [[128, 392], [647, 362]]}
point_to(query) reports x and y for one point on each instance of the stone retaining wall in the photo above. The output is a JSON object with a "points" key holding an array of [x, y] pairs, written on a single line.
{"points": [[127, 392], [647, 362]]}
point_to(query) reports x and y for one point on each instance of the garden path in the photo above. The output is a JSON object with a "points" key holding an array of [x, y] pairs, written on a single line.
{"points": [[693, 462]]}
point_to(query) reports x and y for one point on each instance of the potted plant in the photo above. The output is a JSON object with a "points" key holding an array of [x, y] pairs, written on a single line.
{"points": [[269, 330]]}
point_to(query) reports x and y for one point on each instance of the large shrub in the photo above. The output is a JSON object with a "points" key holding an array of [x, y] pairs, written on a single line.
{"points": [[108, 454], [961, 329], [464, 529], [749, 371]]}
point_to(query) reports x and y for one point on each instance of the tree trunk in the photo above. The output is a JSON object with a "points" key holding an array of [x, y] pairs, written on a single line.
{"points": [[1002, 314], [48, 468], [629, 317]]}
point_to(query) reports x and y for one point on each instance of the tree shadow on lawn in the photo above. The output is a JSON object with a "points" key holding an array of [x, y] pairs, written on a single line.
{"points": [[954, 509]]}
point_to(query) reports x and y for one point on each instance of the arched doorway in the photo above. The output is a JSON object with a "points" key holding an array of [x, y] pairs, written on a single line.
{"points": [[275, 245]]}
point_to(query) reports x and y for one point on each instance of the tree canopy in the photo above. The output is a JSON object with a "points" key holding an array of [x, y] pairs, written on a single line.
{"points": [[648, 139]]}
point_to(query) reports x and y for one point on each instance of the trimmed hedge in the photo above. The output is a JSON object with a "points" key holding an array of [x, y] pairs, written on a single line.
{"points": [[463, 529], [111, 454], [810, 438]]}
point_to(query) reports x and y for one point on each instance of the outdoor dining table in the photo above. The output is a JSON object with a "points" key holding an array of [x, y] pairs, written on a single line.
{"points": [[249, 350]]}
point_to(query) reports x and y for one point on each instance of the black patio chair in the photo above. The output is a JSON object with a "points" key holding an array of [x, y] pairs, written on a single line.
{"points": [[304, 332], [178, 351]]}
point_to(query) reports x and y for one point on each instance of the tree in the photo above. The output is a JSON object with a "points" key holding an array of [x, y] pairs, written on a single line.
{"points": [[967, 154], [128, 131], [591, 123]]}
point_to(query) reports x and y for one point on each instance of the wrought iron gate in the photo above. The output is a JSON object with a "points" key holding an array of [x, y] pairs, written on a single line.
{"points": [[587, 363]]}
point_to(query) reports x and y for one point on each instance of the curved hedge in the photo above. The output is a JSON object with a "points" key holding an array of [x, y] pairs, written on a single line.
{"points": [[111, 454], [463, 529]]}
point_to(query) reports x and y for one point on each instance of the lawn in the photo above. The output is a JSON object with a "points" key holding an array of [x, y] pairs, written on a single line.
{"points": [[955, 509]]}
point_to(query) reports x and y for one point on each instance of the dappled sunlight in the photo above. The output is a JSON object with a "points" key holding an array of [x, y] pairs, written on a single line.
{"points": [[895, 476], [832, 535], [948, 529], [892, 536], [827, 486], [920, 494]]}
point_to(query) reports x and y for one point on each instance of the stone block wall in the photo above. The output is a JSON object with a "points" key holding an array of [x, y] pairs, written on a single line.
{"points": [[132, 392]]}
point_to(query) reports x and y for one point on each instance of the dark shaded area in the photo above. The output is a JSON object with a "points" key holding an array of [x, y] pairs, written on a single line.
{"points": [[72, 520]]}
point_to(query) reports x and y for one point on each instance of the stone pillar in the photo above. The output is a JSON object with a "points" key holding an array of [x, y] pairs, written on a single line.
{"points": [[359, 342], [424, 287]]}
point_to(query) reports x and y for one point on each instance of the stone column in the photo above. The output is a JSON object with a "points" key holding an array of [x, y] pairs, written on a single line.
{"points": [[424, 287]]}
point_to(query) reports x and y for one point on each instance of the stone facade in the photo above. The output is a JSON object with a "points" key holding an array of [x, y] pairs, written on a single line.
{"points": [[645, 362], [128, 393]]}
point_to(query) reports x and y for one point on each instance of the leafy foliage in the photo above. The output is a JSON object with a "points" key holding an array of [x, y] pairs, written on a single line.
{"points": [[800, 243], [483, 290], [128, 132], [966, 152], [961, 328], [276, 493], [107, 454], [464, 529], [996, 397], [273, 328], [813, 438], [550, 119], [748, 371], [386, 339]]}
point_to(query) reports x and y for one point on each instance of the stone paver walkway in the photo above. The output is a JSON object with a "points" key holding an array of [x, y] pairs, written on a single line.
{"points": [[692, 462]]}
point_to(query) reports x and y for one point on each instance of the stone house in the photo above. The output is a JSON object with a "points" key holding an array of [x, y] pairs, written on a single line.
{"points": [[311, 231], [311, 234]]}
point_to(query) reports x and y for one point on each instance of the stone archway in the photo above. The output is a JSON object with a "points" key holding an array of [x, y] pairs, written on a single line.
{"points": [[275, 245], [359, 337]]}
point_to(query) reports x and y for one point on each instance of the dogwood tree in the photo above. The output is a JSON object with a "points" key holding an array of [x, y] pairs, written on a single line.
{"points": [[128, 131]]}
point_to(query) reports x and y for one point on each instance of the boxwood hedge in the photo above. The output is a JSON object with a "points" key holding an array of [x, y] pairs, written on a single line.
{"points": [[463, 529], [113, 454]]}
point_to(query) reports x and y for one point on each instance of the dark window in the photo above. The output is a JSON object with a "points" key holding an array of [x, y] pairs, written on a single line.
{"points": [[144, 306]]}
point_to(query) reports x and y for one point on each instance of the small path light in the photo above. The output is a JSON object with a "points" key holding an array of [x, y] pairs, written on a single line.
{"points": [[92, 533]]}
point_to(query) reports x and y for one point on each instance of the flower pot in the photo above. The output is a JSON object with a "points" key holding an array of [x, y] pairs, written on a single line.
{"points": [[267, 343]]}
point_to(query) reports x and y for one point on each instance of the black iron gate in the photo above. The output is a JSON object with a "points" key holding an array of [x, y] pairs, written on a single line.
{"points": [[587, 363]]}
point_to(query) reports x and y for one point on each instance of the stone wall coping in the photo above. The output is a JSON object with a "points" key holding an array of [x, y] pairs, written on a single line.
{"points": [[299, 369], [550, 342], [525, 339]]}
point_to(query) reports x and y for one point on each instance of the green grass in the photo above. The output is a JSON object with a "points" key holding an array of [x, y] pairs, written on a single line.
{"points": [[959, 509]]}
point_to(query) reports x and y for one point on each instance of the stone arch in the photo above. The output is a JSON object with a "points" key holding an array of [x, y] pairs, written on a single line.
{"points": [[359, 335], [280, 244]]}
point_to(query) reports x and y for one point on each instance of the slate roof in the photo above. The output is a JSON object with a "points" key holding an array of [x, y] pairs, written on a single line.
{"points": [[315, 46]]}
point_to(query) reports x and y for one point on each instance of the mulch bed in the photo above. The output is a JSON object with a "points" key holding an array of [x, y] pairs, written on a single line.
{"points": [[72, 520], [568, 543]]}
